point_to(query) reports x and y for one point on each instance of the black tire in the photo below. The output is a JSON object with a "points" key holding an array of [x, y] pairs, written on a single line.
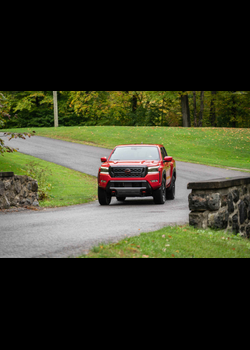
{"points": [[121, 199], [103, 197], [170, 194], [160, 194]]}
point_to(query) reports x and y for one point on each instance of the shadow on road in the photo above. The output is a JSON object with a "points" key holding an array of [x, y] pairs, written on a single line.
{"points": [[134, 202]]}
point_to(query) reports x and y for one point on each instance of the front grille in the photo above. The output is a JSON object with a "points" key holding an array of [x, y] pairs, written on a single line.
{"points": [[128, 171]]}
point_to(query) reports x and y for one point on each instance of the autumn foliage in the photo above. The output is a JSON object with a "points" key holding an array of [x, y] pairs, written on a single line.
{"points": [[130, 108]]}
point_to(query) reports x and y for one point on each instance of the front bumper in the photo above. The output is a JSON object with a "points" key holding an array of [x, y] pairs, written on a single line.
{"points": [[136, 188], [133, 187]]}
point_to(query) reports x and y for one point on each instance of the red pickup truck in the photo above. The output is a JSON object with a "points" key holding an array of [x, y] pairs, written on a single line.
{"points": [[137, 171]]}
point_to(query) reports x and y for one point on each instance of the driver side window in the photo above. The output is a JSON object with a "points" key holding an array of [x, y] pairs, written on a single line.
{"points": [[163, 153]]}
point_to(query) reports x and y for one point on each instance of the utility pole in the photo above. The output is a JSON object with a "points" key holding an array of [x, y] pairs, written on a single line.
{"points": [[55, 109]]}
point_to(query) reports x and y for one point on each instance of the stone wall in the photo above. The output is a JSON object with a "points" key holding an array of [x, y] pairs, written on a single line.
{"points": [[17, 191], [221, 204]]}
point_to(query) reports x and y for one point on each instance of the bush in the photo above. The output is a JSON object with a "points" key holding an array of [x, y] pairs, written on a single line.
{"points": [[41, 175]]}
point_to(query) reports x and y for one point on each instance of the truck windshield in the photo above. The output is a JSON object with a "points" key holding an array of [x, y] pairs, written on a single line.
{"points": [[135, 153]]}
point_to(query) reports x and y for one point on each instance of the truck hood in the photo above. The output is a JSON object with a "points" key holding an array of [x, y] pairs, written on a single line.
{"points": [[132, 163]]}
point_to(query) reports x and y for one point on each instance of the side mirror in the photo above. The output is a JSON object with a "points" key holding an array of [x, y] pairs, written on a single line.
{"points": [[103, 159], [168, 159]]}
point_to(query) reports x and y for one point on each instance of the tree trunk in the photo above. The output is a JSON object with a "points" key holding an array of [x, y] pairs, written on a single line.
{"points": [[201, 108], [234, 111], [185, 111], [195, 109], [212, 109], [134, 103], [55, 109]]}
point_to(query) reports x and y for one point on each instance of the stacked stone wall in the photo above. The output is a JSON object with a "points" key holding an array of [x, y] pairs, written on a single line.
{"points": [[223, 205], [17, 191]]}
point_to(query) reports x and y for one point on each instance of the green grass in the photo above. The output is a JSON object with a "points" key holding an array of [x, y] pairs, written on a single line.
{"points": [[69, 187], [223, 147], [176, 242]]}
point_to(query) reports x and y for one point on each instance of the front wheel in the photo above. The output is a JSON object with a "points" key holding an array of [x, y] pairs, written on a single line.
{"points": [[170, 194], [103, 197], [160, 194]]}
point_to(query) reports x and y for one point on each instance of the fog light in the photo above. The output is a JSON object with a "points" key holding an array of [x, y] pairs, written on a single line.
{"points": [[154, 180], [103, 181]]}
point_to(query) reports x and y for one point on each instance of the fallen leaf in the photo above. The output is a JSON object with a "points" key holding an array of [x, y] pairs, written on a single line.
{"points": [[177, 251], [145, 256], [163, 236], [172, 255]]}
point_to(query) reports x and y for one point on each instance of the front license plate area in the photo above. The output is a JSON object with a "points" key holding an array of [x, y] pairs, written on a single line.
{"points": [[128, 184]]}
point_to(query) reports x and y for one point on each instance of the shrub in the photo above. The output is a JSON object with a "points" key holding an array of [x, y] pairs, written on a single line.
{"points": [[40, 174]]}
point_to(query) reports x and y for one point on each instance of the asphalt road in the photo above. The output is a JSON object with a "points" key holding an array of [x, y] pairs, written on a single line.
{"points": [[71, 231]]}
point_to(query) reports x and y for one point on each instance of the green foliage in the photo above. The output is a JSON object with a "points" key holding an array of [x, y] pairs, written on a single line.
{"points": [[41, 175], [4, 115], [126, 108]]}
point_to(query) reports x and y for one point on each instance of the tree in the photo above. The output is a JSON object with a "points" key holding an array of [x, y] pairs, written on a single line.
{"points": [[130, 108], [195, 109], [185, 109], [201, 108], [212, 109], [3, 115]]}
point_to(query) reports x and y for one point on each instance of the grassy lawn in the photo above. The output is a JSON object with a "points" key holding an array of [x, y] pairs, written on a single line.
{"points": [[176, 242], [68, 187], [223, 147]]}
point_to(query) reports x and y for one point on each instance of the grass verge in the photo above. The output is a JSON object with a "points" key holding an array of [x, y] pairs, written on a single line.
{"points": [[69, 187], [222, 147], [176, 242]]}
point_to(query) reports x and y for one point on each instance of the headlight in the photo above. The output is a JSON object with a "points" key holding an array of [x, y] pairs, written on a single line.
{"points": [[153, 169], [104, 170]]}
